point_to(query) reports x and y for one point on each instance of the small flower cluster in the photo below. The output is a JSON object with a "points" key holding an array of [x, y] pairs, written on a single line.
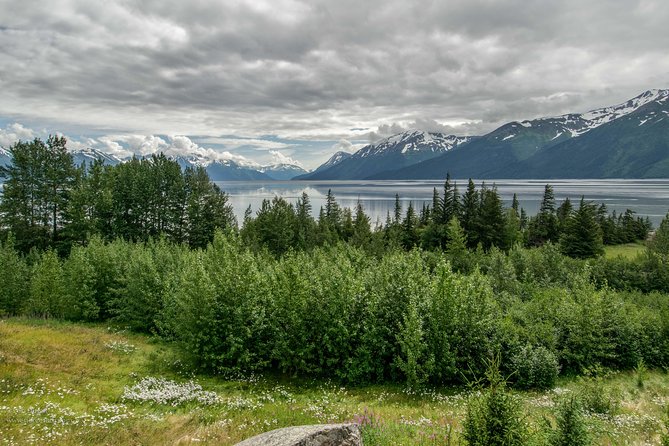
{"points": [[241, 403], [50, 421], [325, 408], [40, 387], [278, 393], [422, 421], [619, 424], [120, 347], [164, 391]]}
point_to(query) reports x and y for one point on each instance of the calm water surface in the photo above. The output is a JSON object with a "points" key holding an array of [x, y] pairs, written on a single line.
{"points": [[645, 197]]}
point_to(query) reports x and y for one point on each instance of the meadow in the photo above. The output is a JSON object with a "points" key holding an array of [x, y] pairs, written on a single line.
{"points": [[91, 384]]}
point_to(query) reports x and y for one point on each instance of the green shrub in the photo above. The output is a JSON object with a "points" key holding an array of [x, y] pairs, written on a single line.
{"points": [[571, 429], [495, 417], [13, 279], [47, 287], [535, 368], [594, 396]]}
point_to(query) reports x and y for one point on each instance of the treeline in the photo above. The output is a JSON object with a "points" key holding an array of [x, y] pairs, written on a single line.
{"points": [[151, 247], [48, 202], [339, 312], [476, 218]]}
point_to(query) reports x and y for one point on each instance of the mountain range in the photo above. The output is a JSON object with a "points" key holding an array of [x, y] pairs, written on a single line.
{"points": [[401, 150], [629, 140], [218, 170]]}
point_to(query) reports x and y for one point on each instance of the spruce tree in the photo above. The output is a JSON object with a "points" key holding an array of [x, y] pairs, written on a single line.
{"points": [[410, 228], [470, 211], [582, 237], [362, 233], [544, 226], [306, 225], [491, 220], [660, 241]]}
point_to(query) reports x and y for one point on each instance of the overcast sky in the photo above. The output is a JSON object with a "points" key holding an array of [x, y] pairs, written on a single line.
{"points": [[282, 80]]}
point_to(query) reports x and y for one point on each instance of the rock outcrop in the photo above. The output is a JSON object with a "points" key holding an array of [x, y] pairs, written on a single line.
{"points": [[312, 435]]}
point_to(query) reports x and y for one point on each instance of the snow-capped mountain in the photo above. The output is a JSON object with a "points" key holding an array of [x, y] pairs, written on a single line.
{"points": [[574, 124], [391, 153], [628, 140], [90, 155], [228, 170], [412, 142], [5, 159], [335, 159], [282, 171]]}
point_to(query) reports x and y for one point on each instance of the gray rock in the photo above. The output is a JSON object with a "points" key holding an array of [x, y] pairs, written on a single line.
{"points": [[313, 435]]}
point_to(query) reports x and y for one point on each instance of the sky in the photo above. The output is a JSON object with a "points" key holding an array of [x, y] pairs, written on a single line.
{"points": [[269, 81]]}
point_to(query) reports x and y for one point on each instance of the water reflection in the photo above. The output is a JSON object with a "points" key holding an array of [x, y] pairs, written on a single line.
{"points": [[645, 197]]}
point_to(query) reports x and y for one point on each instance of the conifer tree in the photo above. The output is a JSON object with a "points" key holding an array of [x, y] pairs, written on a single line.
{"points": [[660, 240], [397, 212], [457, 239], [491, 219], [470, 211], [306, 225], [544, 226], [563, 212], [362, 233], [582, 237], [410, 228]]}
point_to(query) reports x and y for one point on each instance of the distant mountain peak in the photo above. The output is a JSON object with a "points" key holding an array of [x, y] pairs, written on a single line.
{"points": [[89, 155], [413, 141]]}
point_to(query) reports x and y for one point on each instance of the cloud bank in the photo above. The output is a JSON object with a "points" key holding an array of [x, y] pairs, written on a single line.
{"points": [[313, 70]]}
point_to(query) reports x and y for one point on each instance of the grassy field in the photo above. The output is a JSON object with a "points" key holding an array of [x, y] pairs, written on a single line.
{"points": [[74, 384], [627, 250]]}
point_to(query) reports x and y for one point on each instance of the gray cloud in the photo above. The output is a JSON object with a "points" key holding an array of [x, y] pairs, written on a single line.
{"points": [[313, 70]]}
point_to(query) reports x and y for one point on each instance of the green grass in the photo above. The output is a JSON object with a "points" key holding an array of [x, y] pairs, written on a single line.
{"points": [[628, 250], [63, 383]]}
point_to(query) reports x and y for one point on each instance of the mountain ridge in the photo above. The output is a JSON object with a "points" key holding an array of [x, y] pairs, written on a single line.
{"points": [[534, 148], [402, 149]]}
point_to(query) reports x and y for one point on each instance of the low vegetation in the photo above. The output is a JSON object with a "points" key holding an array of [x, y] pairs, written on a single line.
{"points": [[465, 323], [62, 383]]}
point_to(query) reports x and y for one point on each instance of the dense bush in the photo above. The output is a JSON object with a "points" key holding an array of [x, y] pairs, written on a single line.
{"points": [[535, 368], [495, 417], [571, 429], [339, 312]]}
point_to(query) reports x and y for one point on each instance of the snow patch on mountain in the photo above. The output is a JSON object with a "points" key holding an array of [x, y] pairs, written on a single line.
{"points": [[413, 141]]}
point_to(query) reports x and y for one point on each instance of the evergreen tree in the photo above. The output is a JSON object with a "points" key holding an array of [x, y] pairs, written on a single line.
{"points": [[544, 226], [582, 237], [206, 208], [347, 228], [457, 245], [275, 225], [410, 228], [397, 212], [564, 212], [515, 205], [660, 241], [305, 231], [450, 201], [362, 233], [470, 214], [491, 227]]}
